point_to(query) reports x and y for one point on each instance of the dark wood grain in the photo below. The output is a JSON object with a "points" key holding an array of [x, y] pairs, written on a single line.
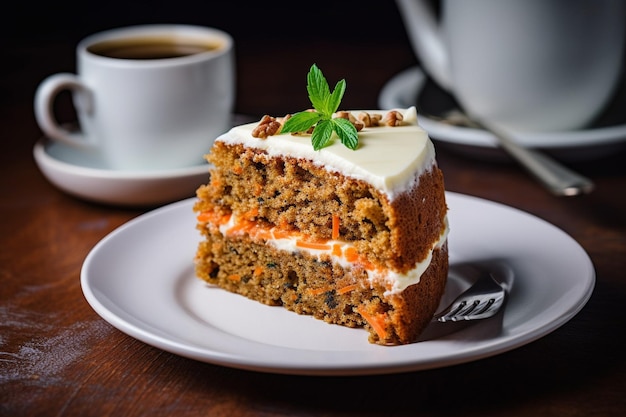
{"points": [[59, 358]]}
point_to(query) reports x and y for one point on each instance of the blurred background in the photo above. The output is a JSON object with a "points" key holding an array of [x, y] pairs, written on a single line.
{"points": [[275, 19], [325, 32], [40, 39]]}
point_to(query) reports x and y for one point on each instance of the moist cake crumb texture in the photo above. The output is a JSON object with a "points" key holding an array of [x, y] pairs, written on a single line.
{"points": [[284, 229]]}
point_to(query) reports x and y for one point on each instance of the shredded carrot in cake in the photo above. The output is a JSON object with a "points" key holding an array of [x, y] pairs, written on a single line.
{"points": [[312, 245], [242, 226], [252, 213], [317, 291], [377, 321], [263, 234], [335, 233], [280, 234], [234, 277], [237, 169], [367, 264], [258, 271], [347, 289], [212, 217], [351, 254]]}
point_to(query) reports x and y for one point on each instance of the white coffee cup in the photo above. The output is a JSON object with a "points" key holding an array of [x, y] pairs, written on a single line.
{"points": [[146, 112], [523, 65]]}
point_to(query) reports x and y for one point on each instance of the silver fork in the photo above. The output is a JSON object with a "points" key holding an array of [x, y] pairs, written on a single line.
{"points": [[482, 300]]}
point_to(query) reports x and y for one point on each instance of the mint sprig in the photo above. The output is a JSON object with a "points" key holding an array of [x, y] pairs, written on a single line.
{"points": [[325, 104]]}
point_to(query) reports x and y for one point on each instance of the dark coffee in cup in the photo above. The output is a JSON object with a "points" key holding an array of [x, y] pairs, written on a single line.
{"points": [[139, 110], [152, 47]]}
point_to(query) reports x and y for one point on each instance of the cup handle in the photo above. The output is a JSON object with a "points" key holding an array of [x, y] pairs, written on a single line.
{"points": [[424, 32], [45, 96]]}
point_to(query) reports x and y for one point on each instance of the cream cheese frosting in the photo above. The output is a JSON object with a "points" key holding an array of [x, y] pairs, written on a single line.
{"points": [[389, 158]]}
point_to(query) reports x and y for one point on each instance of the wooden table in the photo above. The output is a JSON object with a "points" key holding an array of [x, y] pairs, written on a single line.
{"points": [[59, 358]]}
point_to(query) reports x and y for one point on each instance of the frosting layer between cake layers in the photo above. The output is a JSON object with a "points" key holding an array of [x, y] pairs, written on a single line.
{"points": [[340, 253]]}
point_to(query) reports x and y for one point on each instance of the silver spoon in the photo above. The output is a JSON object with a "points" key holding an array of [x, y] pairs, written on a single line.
{"points": [[557, 178]]}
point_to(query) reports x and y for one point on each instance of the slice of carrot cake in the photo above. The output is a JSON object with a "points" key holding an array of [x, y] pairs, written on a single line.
{"points": [[352, 235]]}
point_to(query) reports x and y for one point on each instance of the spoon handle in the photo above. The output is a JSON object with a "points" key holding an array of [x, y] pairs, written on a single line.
{"points": [[558, 179]]}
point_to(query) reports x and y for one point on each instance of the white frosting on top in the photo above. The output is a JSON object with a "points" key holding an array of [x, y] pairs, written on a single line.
{"points": [[389, 158]]}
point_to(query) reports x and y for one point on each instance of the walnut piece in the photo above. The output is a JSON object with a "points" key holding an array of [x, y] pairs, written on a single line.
{"points": [[369, 120], [348, 116], [393, 118], [268, 126]]}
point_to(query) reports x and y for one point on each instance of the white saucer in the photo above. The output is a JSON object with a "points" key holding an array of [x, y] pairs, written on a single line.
{"points": [[402, 91], [84, 175], [135, 279]]}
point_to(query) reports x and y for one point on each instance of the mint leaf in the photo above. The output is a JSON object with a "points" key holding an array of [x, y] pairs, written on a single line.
{"points": [[318, 90], [322, 133], [336, 96], [346, 132], [321, 119], [300, 122]]}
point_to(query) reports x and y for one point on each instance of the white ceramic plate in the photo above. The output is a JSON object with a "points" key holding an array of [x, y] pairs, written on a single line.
{"points": [[140, 278], [402, 91], [82, 173]]}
